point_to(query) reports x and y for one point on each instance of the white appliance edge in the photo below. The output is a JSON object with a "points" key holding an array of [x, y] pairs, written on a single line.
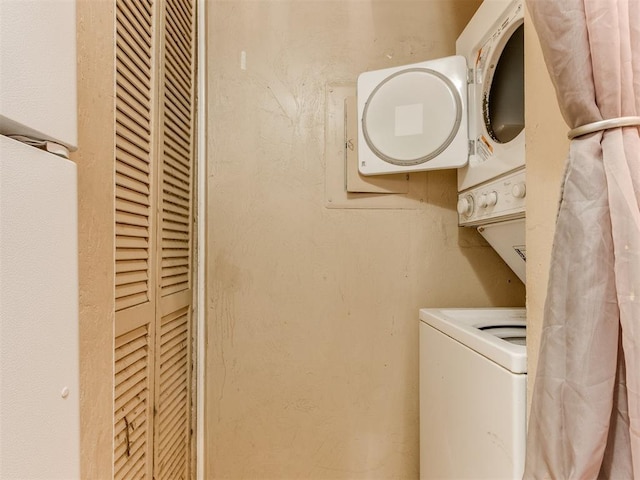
{"points": [[38, 62], [39, 349], [39, 370]]}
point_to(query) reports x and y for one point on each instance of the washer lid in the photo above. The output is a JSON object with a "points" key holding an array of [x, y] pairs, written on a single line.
{"points": [[415, 115], [469, 326]]}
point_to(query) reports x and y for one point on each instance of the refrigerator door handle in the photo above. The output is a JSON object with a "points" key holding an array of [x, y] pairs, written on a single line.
{"points": [[46, 145]]}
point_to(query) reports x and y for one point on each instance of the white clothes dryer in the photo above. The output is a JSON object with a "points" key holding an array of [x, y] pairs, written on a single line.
{"points": [[464, 111]]}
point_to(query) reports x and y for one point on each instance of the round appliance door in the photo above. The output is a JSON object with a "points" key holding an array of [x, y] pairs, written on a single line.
{"points": [[503, 88], [398, 124], [413, 118]]}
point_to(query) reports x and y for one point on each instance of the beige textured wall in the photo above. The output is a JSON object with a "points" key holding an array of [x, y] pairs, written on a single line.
{"points": [[546, 150], [312, 329], [95, 157]]}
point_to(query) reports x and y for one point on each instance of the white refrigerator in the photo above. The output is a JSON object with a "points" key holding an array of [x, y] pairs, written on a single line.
{"points": [[39, 371]]}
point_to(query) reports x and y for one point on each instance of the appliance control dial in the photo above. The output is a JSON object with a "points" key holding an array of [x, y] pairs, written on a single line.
{"points": [[488, 199], [465, 205], [519, 190]]}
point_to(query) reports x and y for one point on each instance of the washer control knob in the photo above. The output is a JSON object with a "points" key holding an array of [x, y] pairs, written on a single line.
{"points": [[519, 190], [488, 199], [465, 205]]}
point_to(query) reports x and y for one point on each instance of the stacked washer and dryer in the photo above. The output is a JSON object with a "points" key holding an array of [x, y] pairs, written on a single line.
{"points": [[465, 112]]}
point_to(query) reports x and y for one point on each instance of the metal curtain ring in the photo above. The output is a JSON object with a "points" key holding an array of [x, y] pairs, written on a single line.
{"points": [[603, 125]]}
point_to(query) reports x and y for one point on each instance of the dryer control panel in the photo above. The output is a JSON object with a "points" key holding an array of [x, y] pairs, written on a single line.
{"points": [[503, 198]]}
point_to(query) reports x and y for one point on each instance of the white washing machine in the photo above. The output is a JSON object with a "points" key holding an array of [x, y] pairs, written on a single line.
{"points": [[473, 391], [465, 112]]}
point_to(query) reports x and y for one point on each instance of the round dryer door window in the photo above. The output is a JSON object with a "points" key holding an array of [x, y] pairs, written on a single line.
{"points": [[503, 99], [398, 120]]}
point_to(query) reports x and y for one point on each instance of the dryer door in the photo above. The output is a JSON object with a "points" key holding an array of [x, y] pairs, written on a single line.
{"points": [[413, 118]]}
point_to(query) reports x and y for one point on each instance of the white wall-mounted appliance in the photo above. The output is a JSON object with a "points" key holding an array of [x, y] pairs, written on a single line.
{"points": [[39, 367], [465, 112], [473, 388]]}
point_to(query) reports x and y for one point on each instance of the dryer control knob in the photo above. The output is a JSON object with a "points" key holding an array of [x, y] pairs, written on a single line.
{"points": [[465, 205], [488, 199], [519, 190]]}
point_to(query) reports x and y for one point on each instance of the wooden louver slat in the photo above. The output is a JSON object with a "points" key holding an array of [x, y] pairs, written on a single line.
{"points": [[177, 148], [137, 133], [133, 147], [178, 133], [127, 171], [128, 71], [140, 12], [131, 403], [178, 110], [130, 154], [133, 372], [136, 121], [177, 153], [181, 17], [172, 420], [132, 31], [175, 230], [178, 80], [128, 91]]}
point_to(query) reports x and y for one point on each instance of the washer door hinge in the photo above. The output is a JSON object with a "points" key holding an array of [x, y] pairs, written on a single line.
{"points": [[472, 147]]}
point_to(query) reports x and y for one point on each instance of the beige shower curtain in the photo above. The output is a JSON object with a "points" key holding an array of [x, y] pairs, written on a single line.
{"points": [[584, 420]]}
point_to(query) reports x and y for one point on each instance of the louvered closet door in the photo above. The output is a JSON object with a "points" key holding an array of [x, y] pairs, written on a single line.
{"points": [[135, 288], [175, 244], [155, 125]]}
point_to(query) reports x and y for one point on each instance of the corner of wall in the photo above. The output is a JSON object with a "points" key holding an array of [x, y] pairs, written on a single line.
{"points": [[546, 150]]}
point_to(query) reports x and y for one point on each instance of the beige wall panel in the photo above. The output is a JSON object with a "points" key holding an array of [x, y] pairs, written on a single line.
{"points": [[312, 313], [546, 151], [96, 224]]}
